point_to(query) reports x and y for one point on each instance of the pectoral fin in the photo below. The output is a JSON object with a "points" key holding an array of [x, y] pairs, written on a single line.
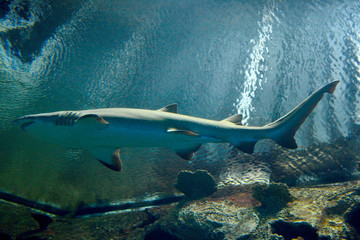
{"points": [[93, 120], [108, 157], [192, 134], [181, 131], [187, 152]]}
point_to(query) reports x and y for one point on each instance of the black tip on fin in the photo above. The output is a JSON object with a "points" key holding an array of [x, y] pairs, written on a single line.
{"points": [[332, 86]]}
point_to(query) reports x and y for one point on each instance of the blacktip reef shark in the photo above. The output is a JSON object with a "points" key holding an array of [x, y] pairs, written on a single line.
{"points": [[103, 132]]}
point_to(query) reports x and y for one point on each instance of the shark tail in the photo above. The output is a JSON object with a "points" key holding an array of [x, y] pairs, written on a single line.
{"points": [[283, 130]]}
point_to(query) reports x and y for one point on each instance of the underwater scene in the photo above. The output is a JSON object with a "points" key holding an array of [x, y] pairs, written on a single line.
{"points": [[179, 119]]}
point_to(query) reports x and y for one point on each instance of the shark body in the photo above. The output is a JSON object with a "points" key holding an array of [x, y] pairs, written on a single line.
{"points": [[103, 132]]}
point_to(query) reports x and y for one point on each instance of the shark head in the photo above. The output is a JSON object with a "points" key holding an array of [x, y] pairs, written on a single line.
{"points": [[28, 123], [45, 125], [58, 127]]}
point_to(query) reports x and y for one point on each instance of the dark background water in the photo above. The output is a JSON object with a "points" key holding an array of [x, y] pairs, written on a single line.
{"points": [[214, 58]]}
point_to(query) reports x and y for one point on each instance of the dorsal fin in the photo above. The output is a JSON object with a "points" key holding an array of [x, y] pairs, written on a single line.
{"points": [[172, 108], [236, 119]]}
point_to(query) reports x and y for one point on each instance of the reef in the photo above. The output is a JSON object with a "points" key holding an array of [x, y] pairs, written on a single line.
{"points": [[333, 162], [329, 211], [233, 206], [318, 164]]}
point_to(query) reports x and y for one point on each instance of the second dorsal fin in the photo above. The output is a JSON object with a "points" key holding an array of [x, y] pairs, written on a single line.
{"points": [[236, 119]]}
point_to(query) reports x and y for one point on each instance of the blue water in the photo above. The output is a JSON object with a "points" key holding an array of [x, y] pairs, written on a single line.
{"points": [[214, 58]]}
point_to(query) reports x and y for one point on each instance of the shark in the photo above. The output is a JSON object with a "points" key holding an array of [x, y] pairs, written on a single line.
{"points": [[103, 132]]}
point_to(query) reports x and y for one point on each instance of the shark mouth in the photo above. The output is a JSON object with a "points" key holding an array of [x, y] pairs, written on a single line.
{"points": [[25, 125]]}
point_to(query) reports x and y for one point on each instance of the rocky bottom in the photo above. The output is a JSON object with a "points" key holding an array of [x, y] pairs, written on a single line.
{"points": [[320, 212]]}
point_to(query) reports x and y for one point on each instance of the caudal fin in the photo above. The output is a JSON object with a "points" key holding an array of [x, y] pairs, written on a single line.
{"points": [[283, 130]]}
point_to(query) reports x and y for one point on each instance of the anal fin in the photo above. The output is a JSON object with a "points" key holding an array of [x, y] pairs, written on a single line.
{"points": [[108, 157]]}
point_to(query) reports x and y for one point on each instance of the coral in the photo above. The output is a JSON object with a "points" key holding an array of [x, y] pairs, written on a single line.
{"points": [[195, 185], [273, 197]]}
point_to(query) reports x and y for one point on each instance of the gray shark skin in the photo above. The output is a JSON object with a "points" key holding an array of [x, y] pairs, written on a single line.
{"points": [[103, 132]]}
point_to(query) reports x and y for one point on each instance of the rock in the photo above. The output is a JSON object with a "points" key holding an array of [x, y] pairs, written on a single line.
{"points": [[159, 234], [320, 209], [196, 185], [245, 169], [290, 230], [323, 212], [42, 219], [272, 197], [5, 236], [319, 164], [352, 217], [323, 163], [216, 220]]}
